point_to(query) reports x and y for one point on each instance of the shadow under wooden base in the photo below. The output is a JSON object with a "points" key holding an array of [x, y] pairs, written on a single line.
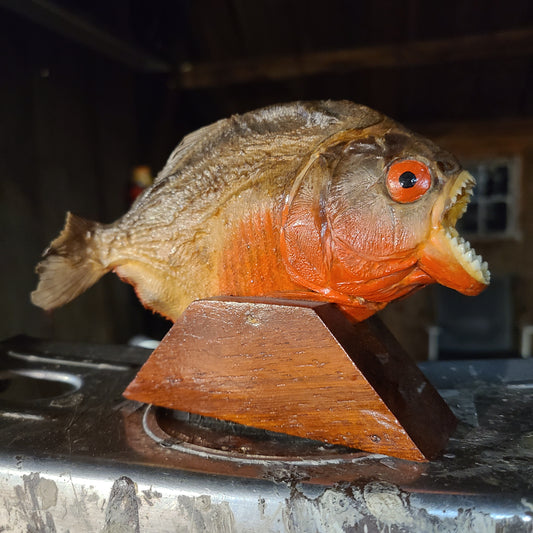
{"points": [[300, 368]]}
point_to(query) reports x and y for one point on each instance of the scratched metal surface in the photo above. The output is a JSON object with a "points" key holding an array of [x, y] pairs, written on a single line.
{"points": [[75, 456]]}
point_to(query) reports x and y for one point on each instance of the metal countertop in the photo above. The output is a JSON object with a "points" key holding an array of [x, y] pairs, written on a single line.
{"points": [[76, 456]]}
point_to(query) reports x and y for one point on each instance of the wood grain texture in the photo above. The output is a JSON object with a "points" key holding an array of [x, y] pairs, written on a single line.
{"points": [[298, 368]]}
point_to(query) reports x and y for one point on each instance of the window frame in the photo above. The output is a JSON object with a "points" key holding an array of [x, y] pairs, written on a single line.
{"points": [[511, 198]]}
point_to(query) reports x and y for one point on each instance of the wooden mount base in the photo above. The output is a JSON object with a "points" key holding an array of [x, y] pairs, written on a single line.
{"points": [[297, 368]]}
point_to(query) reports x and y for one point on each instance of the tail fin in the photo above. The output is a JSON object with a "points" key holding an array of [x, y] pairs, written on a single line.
{"points": [[69, 266]]}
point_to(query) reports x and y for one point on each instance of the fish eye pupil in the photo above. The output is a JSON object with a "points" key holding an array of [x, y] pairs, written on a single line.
{"points": [[407, 180]]}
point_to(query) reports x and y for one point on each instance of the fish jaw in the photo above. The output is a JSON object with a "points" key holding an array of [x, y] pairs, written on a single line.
{"points": [[446, 256]]}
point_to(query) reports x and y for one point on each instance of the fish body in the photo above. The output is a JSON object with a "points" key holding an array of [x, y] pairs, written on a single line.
{"points": [[311, 200]]}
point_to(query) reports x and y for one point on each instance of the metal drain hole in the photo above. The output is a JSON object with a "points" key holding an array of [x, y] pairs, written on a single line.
{"points": [[30, 385], [210, 437]]}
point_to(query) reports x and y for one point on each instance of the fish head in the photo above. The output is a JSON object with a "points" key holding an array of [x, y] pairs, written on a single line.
{"points": [[371, 217]]}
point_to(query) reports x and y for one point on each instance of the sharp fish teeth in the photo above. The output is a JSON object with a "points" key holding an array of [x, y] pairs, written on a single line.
{"points": [[459, 197], [467, 256]]}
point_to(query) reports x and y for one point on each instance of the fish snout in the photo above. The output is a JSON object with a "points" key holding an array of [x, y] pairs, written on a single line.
{"points": [[446, 256]]}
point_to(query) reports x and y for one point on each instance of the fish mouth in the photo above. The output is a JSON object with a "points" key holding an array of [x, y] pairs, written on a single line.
{"points": [[447, 256], [459, 199]]}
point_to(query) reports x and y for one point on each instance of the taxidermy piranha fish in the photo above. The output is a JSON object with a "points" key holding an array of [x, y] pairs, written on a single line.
{"points": [[327, 201]]}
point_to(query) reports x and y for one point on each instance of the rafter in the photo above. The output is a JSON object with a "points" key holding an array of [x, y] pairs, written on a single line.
{"points": [[466, 48]]}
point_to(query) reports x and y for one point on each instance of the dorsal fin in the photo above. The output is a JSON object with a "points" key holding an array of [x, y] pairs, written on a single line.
{"points": [[317, 115]]}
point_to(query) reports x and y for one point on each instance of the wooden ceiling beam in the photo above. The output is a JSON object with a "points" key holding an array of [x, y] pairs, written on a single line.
{"points": [[511, 43]]}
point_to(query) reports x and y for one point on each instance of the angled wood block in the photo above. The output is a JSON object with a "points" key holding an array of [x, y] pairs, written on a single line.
{"points": [[298, 368]]}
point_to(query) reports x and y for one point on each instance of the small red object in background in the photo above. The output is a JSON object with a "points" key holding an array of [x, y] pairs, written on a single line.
{"points": [[141, 179]]}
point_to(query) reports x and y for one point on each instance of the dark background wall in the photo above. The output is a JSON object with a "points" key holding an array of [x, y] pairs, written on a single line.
{"points": [[68, 140], [81, 105]]}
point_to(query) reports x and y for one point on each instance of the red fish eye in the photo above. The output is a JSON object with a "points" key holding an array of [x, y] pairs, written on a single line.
{"points": [[408, 180]]}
